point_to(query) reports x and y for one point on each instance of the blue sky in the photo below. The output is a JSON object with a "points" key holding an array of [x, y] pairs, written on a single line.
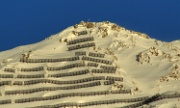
{"points": [[28, 21]]}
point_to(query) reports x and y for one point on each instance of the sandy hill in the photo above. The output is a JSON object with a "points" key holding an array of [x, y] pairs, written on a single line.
{"points": [[92, 65]]}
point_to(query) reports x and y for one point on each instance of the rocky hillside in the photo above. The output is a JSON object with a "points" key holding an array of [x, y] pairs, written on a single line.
{"points": [[92, 65]]}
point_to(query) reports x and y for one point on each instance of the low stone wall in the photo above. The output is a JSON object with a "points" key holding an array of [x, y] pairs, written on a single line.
{"points": [[154, 98], [96, 60], [49, 60], [81, 72], [2, 83], [89, 64], [81, 94], [80, 53], [32, 69], [114, 78], [11, 70], [108, 82], [82, 33], [42, 89], [30, 82], [140, 101], [103, 71], [75, 41], [85, 45], [74, 65], [92, 103], [37, 81], [6, 75], [3, 102], [31, 76], [96, 55], [108, 67]]}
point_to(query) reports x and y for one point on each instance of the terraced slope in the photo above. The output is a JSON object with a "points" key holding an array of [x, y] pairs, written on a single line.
{"points": [[91, 65]]}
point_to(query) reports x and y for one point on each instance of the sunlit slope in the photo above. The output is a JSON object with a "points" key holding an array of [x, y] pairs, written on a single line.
{"points": [[93, 65]]}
